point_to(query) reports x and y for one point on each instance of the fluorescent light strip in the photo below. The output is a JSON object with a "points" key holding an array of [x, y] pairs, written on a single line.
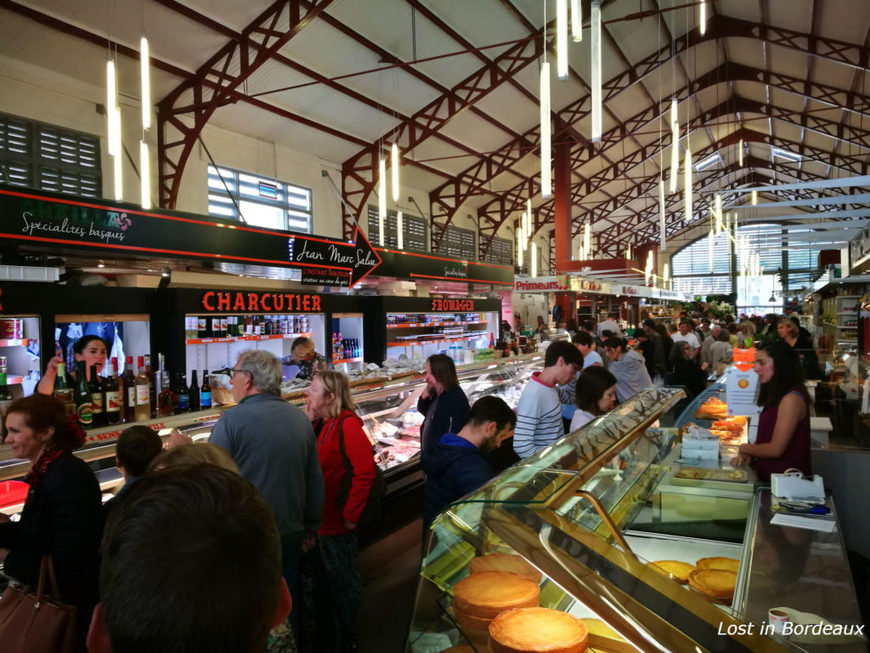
{"points": [[144, 175], [145, 78], [520, 247], [562, 39], [400, 236], [702, 18], [114, 135], [663, 236], [546, 134], [394, 169], [595, 43], [382, 197], [576, 21], [740, 154], [687, 186], [675, 146]]}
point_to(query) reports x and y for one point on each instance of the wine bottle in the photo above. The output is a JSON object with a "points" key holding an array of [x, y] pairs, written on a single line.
{"points": [[182, 401], [194, 392], [82, 398], [98, 397], [62, 391], [129, 392], [205, 391], [143, 393], [152, 386], [166, 400], [112, 396]]}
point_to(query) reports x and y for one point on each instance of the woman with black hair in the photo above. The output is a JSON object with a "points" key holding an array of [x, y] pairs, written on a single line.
{"points": [[595, 395], [442, 401], [783, 440], [93, 350], [685, 371]]}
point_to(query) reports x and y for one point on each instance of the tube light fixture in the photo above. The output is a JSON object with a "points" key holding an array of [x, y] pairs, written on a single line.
{"points": [[717, 203], [394, 170], [534, 259], [581, 256], [144, 175], [663, 236], [382, 197], [117, 161], [740, 154], [754, 197], [145, 79], [667, 273], [546, 135], [702, 18], [595, 43], [628, 252], [587, 240], [113, 125], [562, 39], [687, 182], [675, 145], [710, 243], [576, 21], [520, 247], [400, 236], [528, 215]]}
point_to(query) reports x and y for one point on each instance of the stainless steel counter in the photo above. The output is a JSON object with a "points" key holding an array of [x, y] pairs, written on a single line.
{"points": [[803, 570]]}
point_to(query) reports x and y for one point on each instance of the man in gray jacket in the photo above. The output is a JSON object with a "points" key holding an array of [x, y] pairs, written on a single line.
{"points": [[273, 444], [628, 367]]}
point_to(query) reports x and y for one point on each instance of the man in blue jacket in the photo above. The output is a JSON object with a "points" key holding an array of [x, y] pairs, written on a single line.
{"points": [[457, 464]]}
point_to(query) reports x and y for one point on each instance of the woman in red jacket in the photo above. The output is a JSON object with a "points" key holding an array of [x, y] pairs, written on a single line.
{"points": [[340, 436]]}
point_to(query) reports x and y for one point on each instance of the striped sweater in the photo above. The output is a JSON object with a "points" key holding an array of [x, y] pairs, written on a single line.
{"points": [[539, 418]]}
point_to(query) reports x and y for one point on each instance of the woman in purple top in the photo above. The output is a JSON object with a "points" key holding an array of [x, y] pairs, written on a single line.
{"points": [[783, 440]]}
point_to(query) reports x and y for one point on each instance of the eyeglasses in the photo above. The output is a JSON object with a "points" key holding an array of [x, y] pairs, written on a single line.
{"points": [[235, 371]]}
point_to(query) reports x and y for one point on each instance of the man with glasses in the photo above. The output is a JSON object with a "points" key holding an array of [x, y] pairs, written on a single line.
{"points": [[539, 412], [273, 444]]}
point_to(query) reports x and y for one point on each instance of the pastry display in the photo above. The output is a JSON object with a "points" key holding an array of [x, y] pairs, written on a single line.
{"points": [[713, 408], [489, 593], [679, 570], [728, 564], [706, 474], [504, 562], [537, 630], [715, 583]]}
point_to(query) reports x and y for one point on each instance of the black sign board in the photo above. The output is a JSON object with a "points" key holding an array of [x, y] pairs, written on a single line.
{"points": [[410, 265], [96, 226]]}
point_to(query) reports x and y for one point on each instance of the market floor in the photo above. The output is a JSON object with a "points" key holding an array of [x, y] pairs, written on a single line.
{"points": [[389, 570]]}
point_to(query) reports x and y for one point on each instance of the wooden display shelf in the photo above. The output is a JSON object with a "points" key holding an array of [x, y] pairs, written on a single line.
{"points": [[273, 336]]}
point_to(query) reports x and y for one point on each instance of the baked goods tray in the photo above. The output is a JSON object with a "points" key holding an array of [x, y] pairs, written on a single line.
{"points": [[719, 477]]}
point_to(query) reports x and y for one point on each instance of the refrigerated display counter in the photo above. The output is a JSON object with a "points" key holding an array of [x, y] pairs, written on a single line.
{"points": [[588, 514]]}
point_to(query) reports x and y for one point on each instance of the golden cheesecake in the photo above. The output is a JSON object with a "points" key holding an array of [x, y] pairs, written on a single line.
{"points": [[537, 630], [489, 593], [728, 564], [679, 570], [717, 583], [504, 562]]}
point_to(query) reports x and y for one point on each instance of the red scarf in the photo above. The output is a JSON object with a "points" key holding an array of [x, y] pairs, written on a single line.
{"points": [[37, 472]]}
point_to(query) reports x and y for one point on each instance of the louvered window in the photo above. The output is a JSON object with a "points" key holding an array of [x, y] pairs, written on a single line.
{"points": [[413, 231], [501, 252], [48, 157], [459, 243]]}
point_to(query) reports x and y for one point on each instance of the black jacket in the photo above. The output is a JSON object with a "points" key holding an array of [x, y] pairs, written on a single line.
{"points": [[445, 413], [687, 373], [62, 517], [453, 467]]}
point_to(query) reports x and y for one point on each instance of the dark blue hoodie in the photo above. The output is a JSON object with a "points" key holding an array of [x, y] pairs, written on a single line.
{"points": [[453, 467]]}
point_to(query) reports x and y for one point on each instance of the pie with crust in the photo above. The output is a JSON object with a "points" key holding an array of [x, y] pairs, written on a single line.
{"points": [[729, 564], [716, 583], [489, 593], [537, 630]]}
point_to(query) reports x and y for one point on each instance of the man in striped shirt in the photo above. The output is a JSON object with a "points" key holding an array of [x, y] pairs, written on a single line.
{"points": [[539, 413]]}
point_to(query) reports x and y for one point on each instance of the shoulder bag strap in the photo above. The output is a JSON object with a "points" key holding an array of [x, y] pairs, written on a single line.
{"points": [[347, 464]]}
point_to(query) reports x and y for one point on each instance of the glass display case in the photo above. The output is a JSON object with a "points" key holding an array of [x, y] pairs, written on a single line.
{"points": [[588, 514]]}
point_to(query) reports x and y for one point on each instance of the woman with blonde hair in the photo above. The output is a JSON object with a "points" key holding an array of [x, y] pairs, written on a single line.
{"points": [[348, 465]]}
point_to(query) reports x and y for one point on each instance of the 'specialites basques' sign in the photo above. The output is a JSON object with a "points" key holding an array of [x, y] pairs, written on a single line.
{"points": [[94, 225]]}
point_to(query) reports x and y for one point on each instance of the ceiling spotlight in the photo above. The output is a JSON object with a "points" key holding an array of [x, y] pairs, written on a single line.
{"points": [[165, 278]]}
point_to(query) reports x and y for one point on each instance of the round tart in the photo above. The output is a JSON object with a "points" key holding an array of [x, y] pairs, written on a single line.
{"points": [[504, 562], [489, 593], [716, 583], [679, 570], [728, 564], [537, 630], [470, 622]]}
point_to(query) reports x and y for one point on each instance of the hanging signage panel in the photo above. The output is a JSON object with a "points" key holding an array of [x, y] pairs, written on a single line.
{"points": [[93, 225], [542, 284], [406, 265]]}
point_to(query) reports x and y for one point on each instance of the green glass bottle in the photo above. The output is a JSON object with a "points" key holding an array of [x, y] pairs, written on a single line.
{"points": [[84, 405]]}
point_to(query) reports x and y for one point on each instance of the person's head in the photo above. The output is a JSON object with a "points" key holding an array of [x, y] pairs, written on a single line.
{"points": [[37, 423], [732, 328], [135, 448], [714, 330], [649, 325], [672, 328], [606, 333], [540, 320], [441, 373], [683, 315], [302, 349], [596, 390], [256, 371], [584, 342], [779, 368], [640, 334], [685, 327], [705, 324], [194, 453], [614, 348], [723, 335], [571, 325], [786, 328], [794, 318], [771, 318], [563, 360], [92, 350], [329, 394], [171, 549], [662, 330], [493, 420], [589, 326], [613, 315], [680, 351]]}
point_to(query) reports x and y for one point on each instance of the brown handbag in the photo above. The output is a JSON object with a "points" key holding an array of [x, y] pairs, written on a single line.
{"points": [[37, 623]]}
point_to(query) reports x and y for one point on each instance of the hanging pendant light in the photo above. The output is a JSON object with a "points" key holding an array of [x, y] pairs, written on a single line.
{"points": [[595, 43], [663, 236], [534, 259], [710, 242], [687, 182], [740, 154], [717, 203], [546, 134], [400, 235], [754, 197], [628, 252], [667, 273], [145, 79], [113, 122], [117, 174], [675, 145], [702, 18], [394, 169], [520, 247], [382, 197], [576, 21], [562, 39], [587, 240], [144, 175]]}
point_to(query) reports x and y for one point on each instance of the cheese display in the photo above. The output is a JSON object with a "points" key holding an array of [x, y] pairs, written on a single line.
{"points": [[679, 570], [717, 562], [537, 630], [489, 593], [715, 583], [504, 562]]}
